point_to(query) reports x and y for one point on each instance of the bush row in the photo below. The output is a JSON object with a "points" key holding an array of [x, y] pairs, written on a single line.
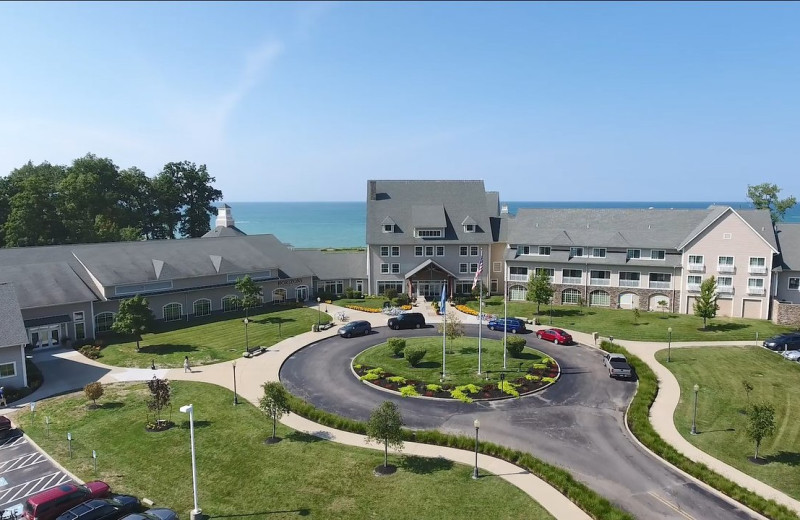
{"points": [[591, 502], [639, 423]]}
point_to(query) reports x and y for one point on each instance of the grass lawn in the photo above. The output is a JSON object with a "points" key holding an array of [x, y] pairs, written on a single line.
{"points": [[370, 303], [650, 326], [211, 339], [239, 476], [462, 360], [720, 371]]}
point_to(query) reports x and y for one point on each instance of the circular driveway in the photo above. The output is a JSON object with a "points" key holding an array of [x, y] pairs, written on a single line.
{"points": [[576, 424]]}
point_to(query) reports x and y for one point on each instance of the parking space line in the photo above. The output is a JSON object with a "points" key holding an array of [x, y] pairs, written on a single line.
{"points": [[23, 461], [13, 442], [32, 487]]}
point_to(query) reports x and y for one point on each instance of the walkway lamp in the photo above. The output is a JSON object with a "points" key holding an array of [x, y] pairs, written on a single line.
{"points": [[477, 425], [694, 415], [235, 396], [196, 512], [319, 312], [669, 344], [246, 339]]}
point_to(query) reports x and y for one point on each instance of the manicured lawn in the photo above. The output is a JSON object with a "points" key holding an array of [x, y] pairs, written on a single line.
{"points": [[211, 339], [650, 326], [370, 303], [462, 360], [239, 476], [720, 371]]}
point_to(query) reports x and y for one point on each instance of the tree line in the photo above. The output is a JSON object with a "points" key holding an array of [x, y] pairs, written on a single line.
{"points": [[93, 200]]}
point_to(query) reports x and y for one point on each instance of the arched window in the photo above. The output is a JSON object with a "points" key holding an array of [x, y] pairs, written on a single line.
{"points": [[103, 321], [202, 307], [599, 299], [517, 292], [279, 295], [570, 297], [230, 303], [301, 293], [172, 311]]}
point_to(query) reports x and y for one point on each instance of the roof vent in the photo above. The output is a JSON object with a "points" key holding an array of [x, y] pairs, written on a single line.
{"points": [[648, 226]]}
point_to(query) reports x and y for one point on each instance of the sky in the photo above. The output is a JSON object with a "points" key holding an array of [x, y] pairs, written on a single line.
{"points": [[561, 101]]}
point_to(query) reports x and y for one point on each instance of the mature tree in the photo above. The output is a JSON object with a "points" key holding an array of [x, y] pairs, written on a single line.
{"points": [[160, 396], [251, 294], [706, 304], [274, 402], [166, 194], [760, 423], [386, 425], [93, 391], [134, 318], [87, 195], [196, 196], [33, 214], [765, 196], [540, 290]]}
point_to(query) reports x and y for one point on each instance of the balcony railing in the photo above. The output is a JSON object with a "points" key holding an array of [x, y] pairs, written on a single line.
{"points": [[693, 287], [660, 285], [629, 283], [599, 281], [518, 278], [756, 290], [725, 289], [574, 280], [725, 268], [757, 269], [697, 268]]}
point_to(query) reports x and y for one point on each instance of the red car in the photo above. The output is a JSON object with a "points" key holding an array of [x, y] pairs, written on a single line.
{"points": [[557, 336]]}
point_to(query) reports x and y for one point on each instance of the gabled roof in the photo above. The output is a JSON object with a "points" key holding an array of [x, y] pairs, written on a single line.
{"points": [[44, 284], [789, 240], [224, 231], [755, 220], [468, 221], [335, 265], [428, 263], [12, 328]]}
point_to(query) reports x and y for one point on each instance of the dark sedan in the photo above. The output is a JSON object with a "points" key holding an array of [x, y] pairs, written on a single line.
{"points": [[103, 509], [355, 328], [784, 342], [160, 513], [557, 336]]}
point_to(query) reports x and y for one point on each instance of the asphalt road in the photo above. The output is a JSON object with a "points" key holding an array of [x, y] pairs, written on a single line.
{"points": [[576, 424]]}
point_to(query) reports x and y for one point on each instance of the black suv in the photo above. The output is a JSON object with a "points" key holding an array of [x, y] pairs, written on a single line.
{"points": [[783, 342], [103, 509], [407, 320]]}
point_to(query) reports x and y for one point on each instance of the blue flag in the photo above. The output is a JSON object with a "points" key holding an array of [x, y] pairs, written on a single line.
{"points": [[443, 301]]}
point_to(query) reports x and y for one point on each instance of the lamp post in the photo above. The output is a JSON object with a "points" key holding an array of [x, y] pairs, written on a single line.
{"points": [[235, 396], [669, 344], [246, 339], [69, 443], [477, 425], [611, 339], [319, 312], [190, 410], [694, 415]]}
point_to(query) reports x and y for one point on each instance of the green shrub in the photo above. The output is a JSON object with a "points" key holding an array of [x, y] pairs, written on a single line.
{"points": [[408, 391], [402, 299], [539, 366], [414, 355], [397, 345], [373, 374], [515, 345], [397, 379], [531, 377], [390, 293], [433, 387], [458, 393], [548, 380], [508, 388]]}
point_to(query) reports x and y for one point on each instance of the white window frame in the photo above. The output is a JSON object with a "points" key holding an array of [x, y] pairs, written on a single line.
{"points": [[429, 233], [395, 268], [656, 253], [570, 296], [469, 228], [463, 268], [395, 250], [796, 283], [523, 250], [474, 251], [194, 307], [419, 251], [384, 251], [385, 268], [463, 251], [473, 268], [13, 369], [576, 252], [388, 228], [728, 278], [97, 325], [759, 282], [497, 267], [544, 251], [598, 252], [229, 297], [439, 250], [164, 311], [281, 292], [634, 254], [429, 250], [698, 259], [719, 260], [78, 316]]}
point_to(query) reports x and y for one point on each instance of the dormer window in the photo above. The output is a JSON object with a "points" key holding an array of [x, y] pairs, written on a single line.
{"points": [[469, 228], [429, 233], [469, 224], [388, 228]]}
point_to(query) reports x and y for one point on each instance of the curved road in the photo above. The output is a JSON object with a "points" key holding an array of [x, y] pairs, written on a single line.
{"points": [[576, 424]]}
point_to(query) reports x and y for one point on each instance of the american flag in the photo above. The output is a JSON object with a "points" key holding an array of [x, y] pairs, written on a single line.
{"points": [[478, 272]]}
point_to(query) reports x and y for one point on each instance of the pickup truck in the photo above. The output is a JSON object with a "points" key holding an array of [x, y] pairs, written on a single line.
{"points": [[617, 366]]}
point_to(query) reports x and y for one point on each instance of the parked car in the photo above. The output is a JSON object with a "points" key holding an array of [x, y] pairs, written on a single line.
{"points": [[47, 505], [791, 355], [555, 335], [617, 366], [512, 325], [160, 513], [103, 509], [789, 341], [407, 320], [355, 328]]}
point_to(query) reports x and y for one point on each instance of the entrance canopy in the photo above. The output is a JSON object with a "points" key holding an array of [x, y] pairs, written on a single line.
{"points": [[430, 265]]}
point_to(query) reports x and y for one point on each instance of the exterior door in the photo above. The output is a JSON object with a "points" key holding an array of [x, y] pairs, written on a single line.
{"points": [[751, 308], [302, 293]]}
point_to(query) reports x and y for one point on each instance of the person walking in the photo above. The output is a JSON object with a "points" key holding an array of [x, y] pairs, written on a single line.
{"points": [[186, 364], [2, 397]]}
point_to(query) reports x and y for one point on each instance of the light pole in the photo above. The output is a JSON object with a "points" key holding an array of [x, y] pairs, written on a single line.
{"points": [[246, 339], [235, 396], [694, 416], [319, 313], [477, 425], [190, 410], [669, 344], [611, 339], [69, 443]]}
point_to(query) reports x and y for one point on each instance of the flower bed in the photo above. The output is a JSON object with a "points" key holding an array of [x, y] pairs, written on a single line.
{"points": [[363, 309], [467, 310]]}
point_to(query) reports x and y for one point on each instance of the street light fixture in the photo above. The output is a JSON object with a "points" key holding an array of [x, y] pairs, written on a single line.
{"points": [[611, 339], [190, 410], [319, 312], [235, 396], [477, 425], [669, 344], [246, 339], [694, 416]]}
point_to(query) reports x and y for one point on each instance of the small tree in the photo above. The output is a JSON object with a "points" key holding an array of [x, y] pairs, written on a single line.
{"points": [[539, 288], [515, 345], [662, 304], [706, 304], [414, 355], [396, 345], [274, 402], [760, 423], [160, 396], [636, 315], [251, 294], [454, 328], [93, 391], [134, 318], [386, 425], [748, 387]]}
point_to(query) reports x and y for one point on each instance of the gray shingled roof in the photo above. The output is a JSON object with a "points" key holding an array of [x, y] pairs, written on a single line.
{"points": [[789, 240], [410, 203], [40, 285], [12, 328], [761, 221], [333, 265], [224, 231]]}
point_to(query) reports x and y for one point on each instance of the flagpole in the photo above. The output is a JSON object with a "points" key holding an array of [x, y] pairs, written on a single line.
{"points": [[442, 305], [505, 320], [480, 311]]}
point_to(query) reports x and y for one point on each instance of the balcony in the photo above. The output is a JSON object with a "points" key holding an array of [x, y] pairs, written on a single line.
{"points": [[573, 280], [757, 269], [693, 287], [629, 283], [600, 281], [725, 289], [518, 278], [660, 285], [725, 268], [758, 291], [696, 268]]}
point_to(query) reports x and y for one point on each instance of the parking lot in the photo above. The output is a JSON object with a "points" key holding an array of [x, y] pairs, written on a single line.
{"points": [[24, 471]]}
